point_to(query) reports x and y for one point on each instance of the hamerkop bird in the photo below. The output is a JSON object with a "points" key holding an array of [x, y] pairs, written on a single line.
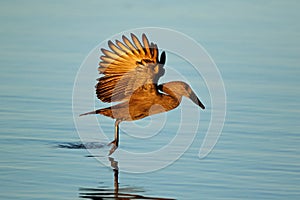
{"points": [[131, 71]]}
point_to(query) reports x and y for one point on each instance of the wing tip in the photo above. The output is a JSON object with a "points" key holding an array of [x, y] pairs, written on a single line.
{"points": [[133, 35], [124, 38]]}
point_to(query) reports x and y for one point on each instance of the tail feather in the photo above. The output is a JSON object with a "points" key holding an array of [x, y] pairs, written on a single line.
{"points": [[89, 113], [104, 111]]}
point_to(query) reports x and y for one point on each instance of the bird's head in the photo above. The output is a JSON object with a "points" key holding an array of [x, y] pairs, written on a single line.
{"points": [[179, 89]]}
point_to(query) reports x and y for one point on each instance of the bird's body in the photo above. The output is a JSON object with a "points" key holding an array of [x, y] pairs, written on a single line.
{"points": [[131, 73]]}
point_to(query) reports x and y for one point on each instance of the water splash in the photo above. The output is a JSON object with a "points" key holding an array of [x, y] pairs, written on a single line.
{"points": [[80, 145]]}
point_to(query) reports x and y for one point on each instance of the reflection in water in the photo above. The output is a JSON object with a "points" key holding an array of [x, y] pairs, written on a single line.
{"points": [[115, 192], [105, 192]]}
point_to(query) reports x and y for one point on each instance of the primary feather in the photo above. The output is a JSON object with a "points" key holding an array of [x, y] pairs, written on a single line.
{"points": [[127, 66]]}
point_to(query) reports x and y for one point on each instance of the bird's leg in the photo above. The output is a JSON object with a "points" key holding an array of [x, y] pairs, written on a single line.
{"points": [[115, 142]]}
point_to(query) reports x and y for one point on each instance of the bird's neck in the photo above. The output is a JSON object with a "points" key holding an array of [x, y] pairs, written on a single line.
{"points": [[169, 102], [170, 93], [169, 99]]}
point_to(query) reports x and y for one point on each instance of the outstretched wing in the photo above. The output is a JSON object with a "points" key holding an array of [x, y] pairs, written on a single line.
{"points": [[128, 66]]}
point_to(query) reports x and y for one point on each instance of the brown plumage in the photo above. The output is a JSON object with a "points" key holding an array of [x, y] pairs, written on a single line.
{"points": [[131, 71]]}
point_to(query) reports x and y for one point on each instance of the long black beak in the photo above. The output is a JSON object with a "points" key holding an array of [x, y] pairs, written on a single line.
{"points": [[196, 100]]}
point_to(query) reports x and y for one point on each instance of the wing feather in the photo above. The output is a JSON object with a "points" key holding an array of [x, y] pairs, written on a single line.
{"points": [[117, 50], [146, 45], [110, 54], [109, 59], [126, 66], [124, 48], [138, 45], [131, 46], [154, 50]]}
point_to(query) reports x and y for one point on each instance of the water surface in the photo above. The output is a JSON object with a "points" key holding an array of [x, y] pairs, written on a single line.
{"points": [[256, 47]]}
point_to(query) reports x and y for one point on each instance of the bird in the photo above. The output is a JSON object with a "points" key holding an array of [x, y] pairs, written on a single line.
{"points": [[130, 70]]}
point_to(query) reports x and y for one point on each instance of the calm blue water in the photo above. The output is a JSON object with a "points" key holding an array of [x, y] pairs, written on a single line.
{"points": [[256, 46]]}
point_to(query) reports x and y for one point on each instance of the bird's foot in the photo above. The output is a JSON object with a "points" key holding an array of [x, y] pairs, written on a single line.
{"points": [[114, 145]]}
